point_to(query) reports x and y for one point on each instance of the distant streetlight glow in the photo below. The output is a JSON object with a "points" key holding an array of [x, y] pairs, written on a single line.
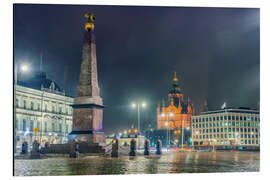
{"points": [[143, 104], [24, 68], [133, 105], [171, 114], [162, 114]]}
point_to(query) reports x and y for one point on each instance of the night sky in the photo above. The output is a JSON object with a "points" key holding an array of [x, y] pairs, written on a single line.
{"points": [[215, 51]]}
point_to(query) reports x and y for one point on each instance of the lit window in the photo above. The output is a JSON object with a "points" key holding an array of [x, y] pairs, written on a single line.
{"points": [[241, 124], [237, 123]]}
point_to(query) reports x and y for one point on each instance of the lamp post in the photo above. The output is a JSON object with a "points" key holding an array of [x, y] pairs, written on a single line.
{"points": [[139, 105], [197, 132], [23, 68], [168, 126]]}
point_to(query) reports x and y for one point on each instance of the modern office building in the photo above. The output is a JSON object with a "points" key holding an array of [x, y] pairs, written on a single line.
{"points": [[42, 112], [227, 127]]}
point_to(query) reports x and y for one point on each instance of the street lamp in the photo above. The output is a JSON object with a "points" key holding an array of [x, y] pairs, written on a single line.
{"points": [[139, 105], [22, 68]]}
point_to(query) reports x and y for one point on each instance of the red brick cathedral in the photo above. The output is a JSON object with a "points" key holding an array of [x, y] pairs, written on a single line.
{"points": [[177, 111]]}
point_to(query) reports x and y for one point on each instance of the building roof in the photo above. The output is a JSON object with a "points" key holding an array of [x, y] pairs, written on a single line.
{"points": [[41, 82], [233, 110]]}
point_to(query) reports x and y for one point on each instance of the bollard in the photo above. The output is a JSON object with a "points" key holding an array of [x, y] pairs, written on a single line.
{"points": [[146, 147], [158, 146], [35, 154], [115, 147], [46, 145], [132, 148], [24, 148], [73, 149]]}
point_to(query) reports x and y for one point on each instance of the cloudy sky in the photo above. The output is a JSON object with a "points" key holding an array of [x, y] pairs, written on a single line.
{"points": [[215, 51]]}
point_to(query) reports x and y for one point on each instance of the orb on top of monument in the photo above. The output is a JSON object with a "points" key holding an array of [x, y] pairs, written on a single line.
{"points": [[89, 25]]}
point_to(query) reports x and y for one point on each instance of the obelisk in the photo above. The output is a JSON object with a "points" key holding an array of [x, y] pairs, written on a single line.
{"points": [[88, 105]]}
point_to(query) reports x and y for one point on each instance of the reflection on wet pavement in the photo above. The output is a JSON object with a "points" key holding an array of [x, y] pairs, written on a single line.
{"points": [[176, 162]]}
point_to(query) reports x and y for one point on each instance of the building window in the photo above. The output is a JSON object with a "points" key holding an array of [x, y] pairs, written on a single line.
{"points": [[31, 125], [241, 124], [252, 119], [67, 113], [237, 117], [233, 123], [53, 127], [230, 129], [46, 108], [241, 118], [217, 118], [214, 118], [233, 117], [32, 105], [229, 117], [210, 119], [38, 125], [217, 124], [248, 119], [245, 118], [53, 108], [17, 102], [221, 118], [60, 110], [221, 135], [16, 123], [24, 125], [221, 130], [45, 128], [248, 124], [237, 124], [225, 117], [66, 128], [60, 127], [225, 129], [38, 106], [229, 124], [24, 104]]}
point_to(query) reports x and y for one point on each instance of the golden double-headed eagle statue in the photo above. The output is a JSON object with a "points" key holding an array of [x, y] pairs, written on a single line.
{"points": [[89, 25]]}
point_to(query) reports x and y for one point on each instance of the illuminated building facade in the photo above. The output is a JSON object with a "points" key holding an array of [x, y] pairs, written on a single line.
{"points": [[43, 106], [227, 127], [178, 111]]}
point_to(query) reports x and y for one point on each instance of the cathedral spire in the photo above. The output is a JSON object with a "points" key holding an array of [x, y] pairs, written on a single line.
{"points": [[175, 78]]}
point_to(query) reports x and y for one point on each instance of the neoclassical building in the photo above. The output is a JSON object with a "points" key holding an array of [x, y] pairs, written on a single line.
{"points": [[42, 112], [177, 112]]}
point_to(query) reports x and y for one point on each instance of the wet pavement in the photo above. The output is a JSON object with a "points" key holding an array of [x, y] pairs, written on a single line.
{"points": [[174, 162]]}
